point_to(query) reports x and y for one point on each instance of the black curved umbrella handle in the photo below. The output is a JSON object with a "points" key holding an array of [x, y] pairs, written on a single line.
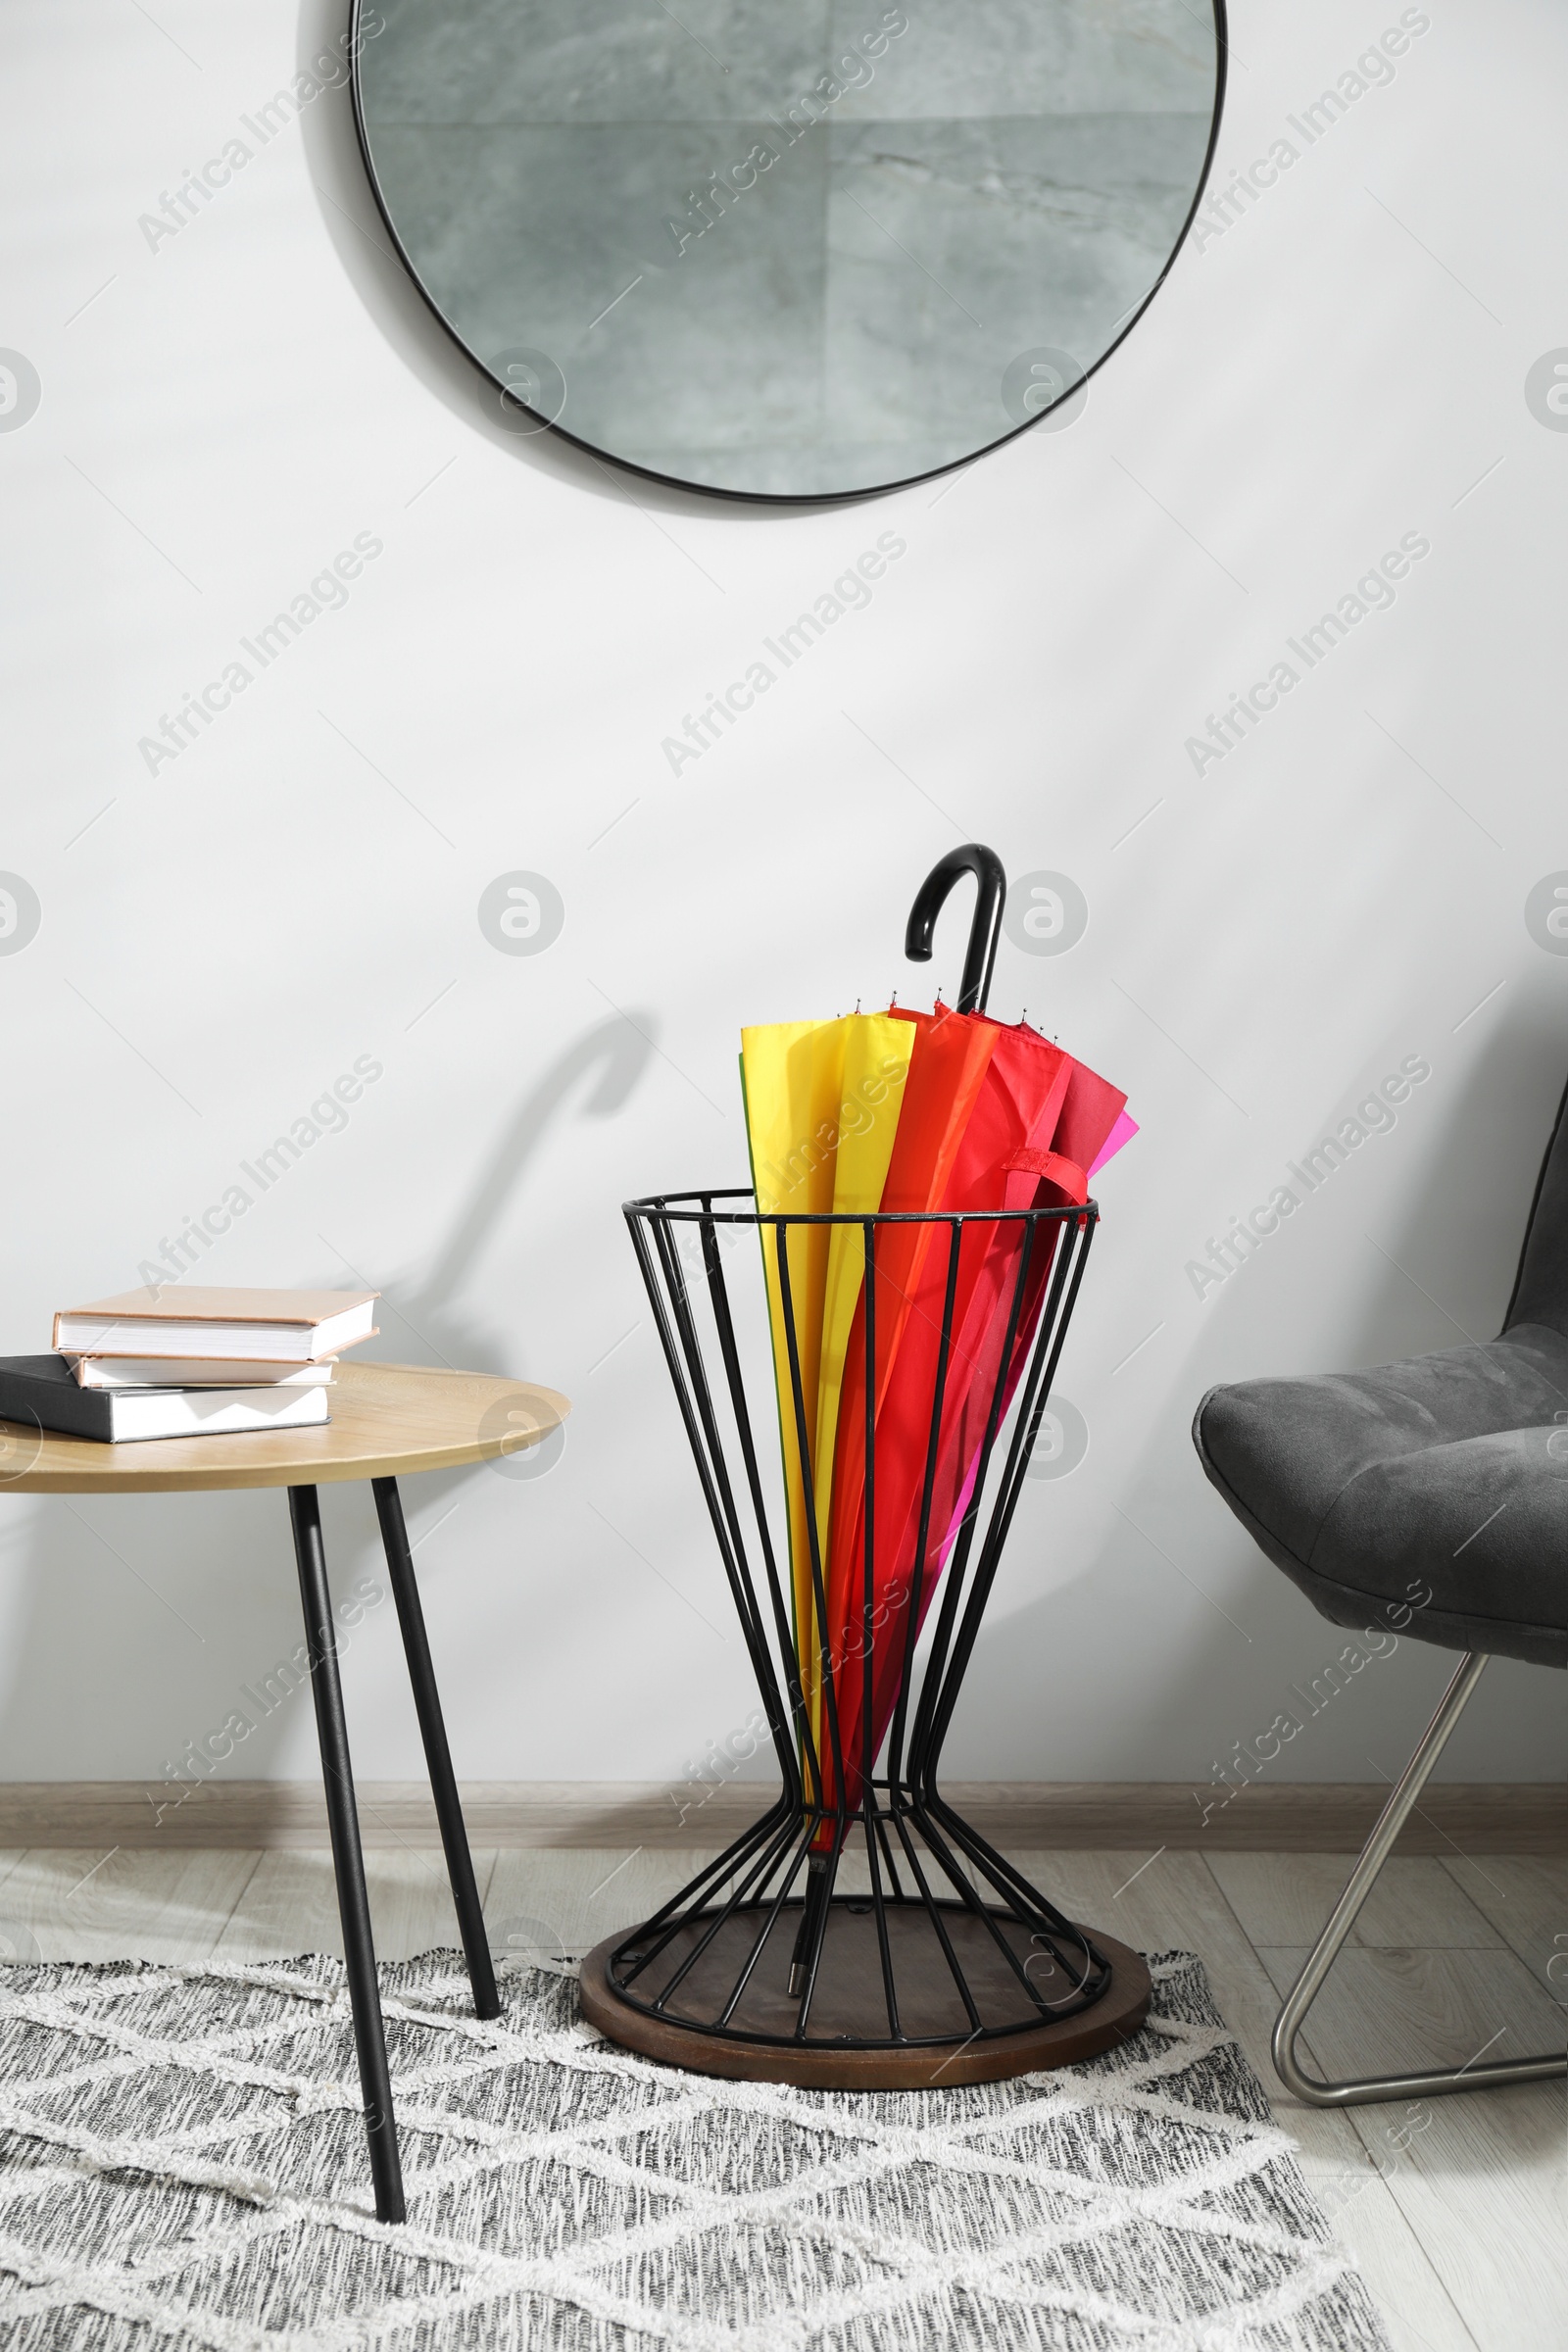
{"points": [[985, 930]]}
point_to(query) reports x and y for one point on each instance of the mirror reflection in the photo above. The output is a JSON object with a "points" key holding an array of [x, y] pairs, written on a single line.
{"points": [[787, 248]]}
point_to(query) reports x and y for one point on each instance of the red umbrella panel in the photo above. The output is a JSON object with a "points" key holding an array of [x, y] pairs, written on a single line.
{"points": [[1034, 1124]]}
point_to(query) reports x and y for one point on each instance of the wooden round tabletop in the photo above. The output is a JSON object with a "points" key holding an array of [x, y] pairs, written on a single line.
{"points": [[387, 1420]]}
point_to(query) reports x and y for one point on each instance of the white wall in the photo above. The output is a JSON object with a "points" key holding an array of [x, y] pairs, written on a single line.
{"points": [[220, 939]]}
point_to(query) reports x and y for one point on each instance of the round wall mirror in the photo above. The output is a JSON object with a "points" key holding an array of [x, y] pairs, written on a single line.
{"points": [[788, 248]]}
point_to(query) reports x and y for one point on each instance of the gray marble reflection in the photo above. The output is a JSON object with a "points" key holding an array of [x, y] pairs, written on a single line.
{"points": [[553, 236], [1024, 57], [953, 247], [753, 289], [634, 61], [591, 61]]}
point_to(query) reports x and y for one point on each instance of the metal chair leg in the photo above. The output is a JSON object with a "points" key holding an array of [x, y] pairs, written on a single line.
{"points": [[348, 1861], [1474, 2077], [437, 1754]]}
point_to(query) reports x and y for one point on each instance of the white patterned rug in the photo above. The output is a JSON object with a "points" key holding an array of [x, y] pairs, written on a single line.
{"points": [[182, 2164]]}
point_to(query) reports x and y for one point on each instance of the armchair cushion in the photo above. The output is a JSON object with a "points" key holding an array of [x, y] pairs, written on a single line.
{"points": [[1446, 1473]]}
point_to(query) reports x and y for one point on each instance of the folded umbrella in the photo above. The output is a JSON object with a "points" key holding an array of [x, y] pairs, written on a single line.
{"points": [[890, 1399]]}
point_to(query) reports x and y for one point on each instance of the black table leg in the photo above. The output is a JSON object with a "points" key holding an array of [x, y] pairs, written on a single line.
{"points": [[348, 1862], [437, 1755]]}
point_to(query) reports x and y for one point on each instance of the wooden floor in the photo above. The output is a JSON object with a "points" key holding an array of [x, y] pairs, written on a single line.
{"points": [[1454, 2207]]}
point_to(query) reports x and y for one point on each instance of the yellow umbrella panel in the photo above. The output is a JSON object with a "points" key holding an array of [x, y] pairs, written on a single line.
{"points": [[823, 1102]]}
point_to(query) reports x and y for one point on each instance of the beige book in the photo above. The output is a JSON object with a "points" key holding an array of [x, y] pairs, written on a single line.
{"points": [[264, 1325]]}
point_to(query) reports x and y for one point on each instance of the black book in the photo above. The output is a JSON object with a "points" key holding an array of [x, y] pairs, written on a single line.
{"points": [[40, 1392]]}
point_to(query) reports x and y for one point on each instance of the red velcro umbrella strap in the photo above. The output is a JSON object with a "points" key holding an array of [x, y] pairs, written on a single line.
{"points": [[1067, 1174]]}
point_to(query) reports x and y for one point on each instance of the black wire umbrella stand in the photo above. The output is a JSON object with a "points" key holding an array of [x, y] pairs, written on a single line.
{"points": [[950, 1966]]}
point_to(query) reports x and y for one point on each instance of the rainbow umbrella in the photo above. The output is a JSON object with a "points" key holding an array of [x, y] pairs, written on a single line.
{"points": [[922, 1117]]}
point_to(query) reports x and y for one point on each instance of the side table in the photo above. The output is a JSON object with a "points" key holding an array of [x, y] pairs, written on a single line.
{"points": [[387, 1420]]}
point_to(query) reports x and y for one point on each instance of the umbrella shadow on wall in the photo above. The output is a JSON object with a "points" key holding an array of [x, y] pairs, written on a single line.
{"points": [[118, 1613], [613, 1056], [1434, 1274]]}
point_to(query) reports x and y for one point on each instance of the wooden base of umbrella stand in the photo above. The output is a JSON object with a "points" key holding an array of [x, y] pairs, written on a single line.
{"points": [[941, 2050]]}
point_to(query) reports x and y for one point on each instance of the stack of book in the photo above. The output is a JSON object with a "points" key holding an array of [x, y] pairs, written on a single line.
{"points": [[186, 1363]]}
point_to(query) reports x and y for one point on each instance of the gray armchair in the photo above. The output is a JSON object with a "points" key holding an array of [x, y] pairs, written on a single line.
{"points": [[1444, 1476]]}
